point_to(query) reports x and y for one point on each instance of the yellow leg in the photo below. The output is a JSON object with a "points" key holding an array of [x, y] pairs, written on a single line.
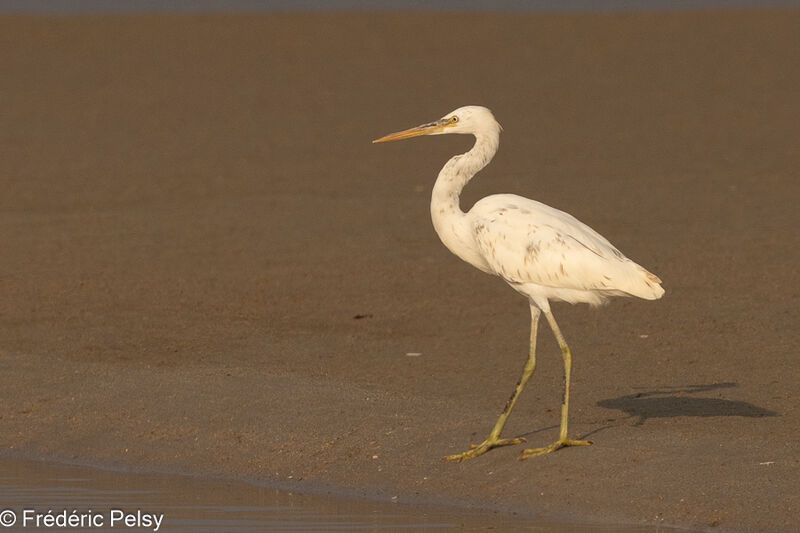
{"points": [[494, 440], [563, 440]]}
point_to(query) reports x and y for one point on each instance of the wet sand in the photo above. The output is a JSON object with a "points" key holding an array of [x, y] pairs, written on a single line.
{"points": [[109, 500], [207, 267]]}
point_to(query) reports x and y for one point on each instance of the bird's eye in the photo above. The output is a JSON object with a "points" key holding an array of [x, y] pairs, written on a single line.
{"points": [[454, 119]]}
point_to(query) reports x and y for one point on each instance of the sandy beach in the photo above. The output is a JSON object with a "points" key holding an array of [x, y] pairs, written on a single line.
{"points": [[207, 267]]}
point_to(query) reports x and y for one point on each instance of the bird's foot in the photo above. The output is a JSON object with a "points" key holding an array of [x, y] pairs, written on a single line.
{"points": [[479, 449], [533, 452]]}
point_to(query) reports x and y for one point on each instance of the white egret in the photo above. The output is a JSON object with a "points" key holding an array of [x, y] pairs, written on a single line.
{"points": [[543, 253]]}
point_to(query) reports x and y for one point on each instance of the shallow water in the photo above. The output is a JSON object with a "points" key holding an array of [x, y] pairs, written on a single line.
{"points": [[104, 500]]}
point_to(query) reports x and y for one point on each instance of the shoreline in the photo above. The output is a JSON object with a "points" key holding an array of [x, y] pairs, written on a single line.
{"points": [[201, 502], [365, 497]]}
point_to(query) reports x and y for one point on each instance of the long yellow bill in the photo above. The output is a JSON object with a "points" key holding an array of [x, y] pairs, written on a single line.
{"points": [[425, 129]]}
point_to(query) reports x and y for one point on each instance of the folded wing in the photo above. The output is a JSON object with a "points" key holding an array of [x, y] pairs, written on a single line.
{"points": [[525, 241]]}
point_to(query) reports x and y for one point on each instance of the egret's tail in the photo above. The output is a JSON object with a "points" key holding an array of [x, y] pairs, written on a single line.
{"points": [[647, 285]]}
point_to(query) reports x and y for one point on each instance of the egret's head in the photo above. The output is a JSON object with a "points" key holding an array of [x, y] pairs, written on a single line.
{"points": [[468, 119]]}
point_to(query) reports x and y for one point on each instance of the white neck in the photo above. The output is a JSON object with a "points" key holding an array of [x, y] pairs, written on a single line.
{"points": [[449, 221]]}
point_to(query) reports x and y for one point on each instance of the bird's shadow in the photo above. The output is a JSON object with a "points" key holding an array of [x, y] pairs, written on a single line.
{"points": [[674, 401]]}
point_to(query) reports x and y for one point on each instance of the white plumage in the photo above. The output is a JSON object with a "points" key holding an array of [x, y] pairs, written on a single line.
{"points": [[543, 253], [547, 254]]}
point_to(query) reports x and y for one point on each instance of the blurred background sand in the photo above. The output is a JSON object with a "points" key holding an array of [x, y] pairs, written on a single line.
{"points": [[207, 266]]}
